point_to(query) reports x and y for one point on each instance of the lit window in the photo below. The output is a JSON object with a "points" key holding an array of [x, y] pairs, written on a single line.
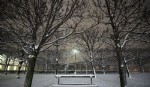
{"points": [[8, 68], [0, 66], [15, 67], [24, 68]]}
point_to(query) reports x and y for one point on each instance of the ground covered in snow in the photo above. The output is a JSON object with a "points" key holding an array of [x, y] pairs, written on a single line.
{"points": [[47, 80]]}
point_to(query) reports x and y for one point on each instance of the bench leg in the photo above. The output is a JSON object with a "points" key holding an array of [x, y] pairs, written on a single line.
{"points": [[91, 81], [58, 80]]}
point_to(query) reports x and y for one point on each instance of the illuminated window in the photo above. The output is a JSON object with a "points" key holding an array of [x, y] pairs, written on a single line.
{"points": [[24, 68], [15, 67], [8, 68], [0, 66]]}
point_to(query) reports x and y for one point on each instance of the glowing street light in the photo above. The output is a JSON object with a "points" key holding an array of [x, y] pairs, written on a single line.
{"points": [[75, 52]]}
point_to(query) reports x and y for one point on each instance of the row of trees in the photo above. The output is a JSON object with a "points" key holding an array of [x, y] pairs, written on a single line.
{"points": [[136, 59], [125, 22], [34, 24]]}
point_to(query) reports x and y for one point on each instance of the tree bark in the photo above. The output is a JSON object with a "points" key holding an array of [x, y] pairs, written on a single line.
{"points": [[127, 70], [126, 67], [121, 67], [46, 67], [6, 65], [140, 65], [19, 67], [30, 71]]}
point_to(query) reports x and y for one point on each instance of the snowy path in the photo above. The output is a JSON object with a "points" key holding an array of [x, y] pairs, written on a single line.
{"points": [[47, 80]]}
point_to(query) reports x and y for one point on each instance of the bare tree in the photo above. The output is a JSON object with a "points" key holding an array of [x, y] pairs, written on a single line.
{"points": [[122, 18], [20, 65], [34, 23], [105, 58], [146, 22], [48, 56], [90, 42], [7, 61]]}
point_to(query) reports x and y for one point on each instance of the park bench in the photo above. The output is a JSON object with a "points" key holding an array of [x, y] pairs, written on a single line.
{"points": [[75, 76]]}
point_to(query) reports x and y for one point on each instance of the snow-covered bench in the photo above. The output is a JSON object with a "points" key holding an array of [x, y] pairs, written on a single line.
{"points": [[75, 85], [75, 76]]}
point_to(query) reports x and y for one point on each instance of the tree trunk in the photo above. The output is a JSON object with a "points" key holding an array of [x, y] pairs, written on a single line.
{"points": [[19, 67], [5, 69], [122, 77], [140, 65], [46, 67], [6, 65], [121, 67], [103, 70], [92, 64], [127, 70], [126, 67], [30, 71]]}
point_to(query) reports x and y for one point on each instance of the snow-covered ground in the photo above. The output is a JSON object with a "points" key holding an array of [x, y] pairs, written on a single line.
{"points": [[47, 80]]}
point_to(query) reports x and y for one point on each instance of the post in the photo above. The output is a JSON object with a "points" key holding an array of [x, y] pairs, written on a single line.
{"points": [[86, 69], [57, 57], [57, 52], [75, 65]]}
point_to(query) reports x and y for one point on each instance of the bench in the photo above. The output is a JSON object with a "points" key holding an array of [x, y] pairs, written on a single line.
{"points": [[74, 86], [75, 76]]}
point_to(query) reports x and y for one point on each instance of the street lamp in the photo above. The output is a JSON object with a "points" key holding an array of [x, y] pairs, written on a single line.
{"points": [[75, 52]]}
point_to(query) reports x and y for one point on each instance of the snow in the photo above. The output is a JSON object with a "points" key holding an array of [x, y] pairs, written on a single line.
{"points": [[31, 56], [36, 46], [122, 65], [74, 75], [123, 44], [25, 50], [47, 80], [47, 35], [118, 45]]}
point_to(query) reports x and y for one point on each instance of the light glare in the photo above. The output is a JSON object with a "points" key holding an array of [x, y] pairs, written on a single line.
{"points": [[75, 51]]}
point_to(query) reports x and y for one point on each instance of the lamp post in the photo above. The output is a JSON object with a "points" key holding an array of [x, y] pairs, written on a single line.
{"points": [[57, 56], [57, 51], [75, 52]]}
